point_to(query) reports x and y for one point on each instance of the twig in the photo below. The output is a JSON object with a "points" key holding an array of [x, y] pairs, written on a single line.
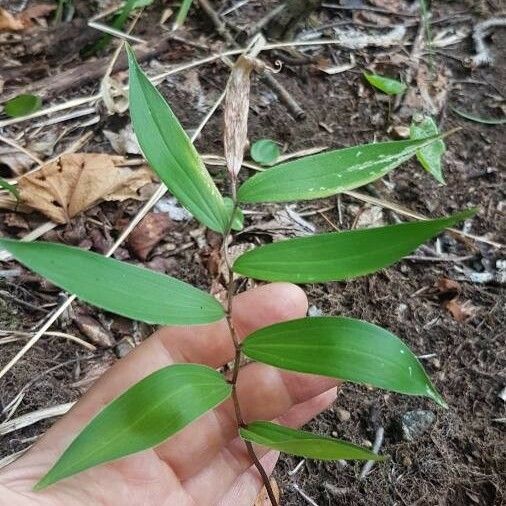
{"points": [[13, 457], [284, 95], [70, 337], [15, 145], [378, 441], [412, 214], [304, 495], [141, 213], [116, 33], [297, 468], [268, 79], [160, 77], [34, 417]]}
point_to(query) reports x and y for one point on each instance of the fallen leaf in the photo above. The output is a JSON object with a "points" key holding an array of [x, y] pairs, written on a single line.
{"points": [[75, 182], [23, 20], [235, 137], [447, 286], [148, 233], [263, 499], [460, 310]]}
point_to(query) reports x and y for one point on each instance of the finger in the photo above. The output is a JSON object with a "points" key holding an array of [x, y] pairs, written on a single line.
{"points": [[264, 393], [231, 468], [207, 344]]}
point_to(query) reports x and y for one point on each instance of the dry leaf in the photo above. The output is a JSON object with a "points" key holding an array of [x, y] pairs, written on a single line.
{"points": [[460, 310], [131, 183], [263, 499], [447, 286], [148, 233], [75, 182], [23, 20], [236, 114]]}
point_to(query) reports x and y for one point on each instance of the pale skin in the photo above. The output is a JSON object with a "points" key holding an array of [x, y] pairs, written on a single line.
{"points": [[204, 464]]}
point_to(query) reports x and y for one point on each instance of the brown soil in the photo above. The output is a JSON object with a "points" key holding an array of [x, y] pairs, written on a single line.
{"points": [[460, 459]]}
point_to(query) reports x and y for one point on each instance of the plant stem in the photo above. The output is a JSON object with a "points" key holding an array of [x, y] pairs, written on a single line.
{"points": [[238, 353]]}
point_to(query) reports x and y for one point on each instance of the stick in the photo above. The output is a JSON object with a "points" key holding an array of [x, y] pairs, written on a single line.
{"points": [[378, 441]]}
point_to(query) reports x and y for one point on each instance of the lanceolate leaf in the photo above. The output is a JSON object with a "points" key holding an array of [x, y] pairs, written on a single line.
{"points": [[339, 255], [328, 173], [304, 444], [145, 415], [385, 84], [343, 348], [170, 152], [429, 156], [119, 287]]}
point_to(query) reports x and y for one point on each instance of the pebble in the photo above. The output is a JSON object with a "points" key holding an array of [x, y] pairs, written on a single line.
{"points": [[343, 414], [416, 423]]}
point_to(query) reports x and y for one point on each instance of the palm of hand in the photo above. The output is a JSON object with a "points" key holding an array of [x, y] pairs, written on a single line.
{"points": [[206, 463]]}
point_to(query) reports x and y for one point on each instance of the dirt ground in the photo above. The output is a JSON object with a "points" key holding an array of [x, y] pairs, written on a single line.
{"points": [[460, 458]]}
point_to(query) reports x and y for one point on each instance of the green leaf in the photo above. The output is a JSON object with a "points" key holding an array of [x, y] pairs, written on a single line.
{"points": [[22, 105], [170, 152], [328, 173], [304, 444], [265, 151], [238, 221], [385, 84], [9, 187], [343, 348], [144, 416], [182, 13], [429, 156], [479, 119], [118, 287], [339, 255]]}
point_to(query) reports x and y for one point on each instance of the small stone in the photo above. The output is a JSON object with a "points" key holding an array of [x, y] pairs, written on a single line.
{"points": [[333, 433], [314, 311], [124, 347], [415, 423], [343, 414]]}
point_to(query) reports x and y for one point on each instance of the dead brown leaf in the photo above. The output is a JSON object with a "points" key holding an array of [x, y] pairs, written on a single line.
{"points": [[148, 233], [75, 182], [236, 114], [263, 499], [460, 310], [447, 286], [23, 20]]}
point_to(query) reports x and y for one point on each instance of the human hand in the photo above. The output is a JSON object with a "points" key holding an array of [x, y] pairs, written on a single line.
{"points": [[204, 464]]}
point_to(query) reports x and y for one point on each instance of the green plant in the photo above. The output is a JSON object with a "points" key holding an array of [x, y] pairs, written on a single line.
{"points": [[182, 13], [169, 399], [265, 152], [22, 105], [385, 84], [118, 23], [428, 156]]}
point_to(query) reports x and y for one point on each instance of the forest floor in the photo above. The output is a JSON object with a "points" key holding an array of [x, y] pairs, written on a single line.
{"points": [[446, 300]]}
